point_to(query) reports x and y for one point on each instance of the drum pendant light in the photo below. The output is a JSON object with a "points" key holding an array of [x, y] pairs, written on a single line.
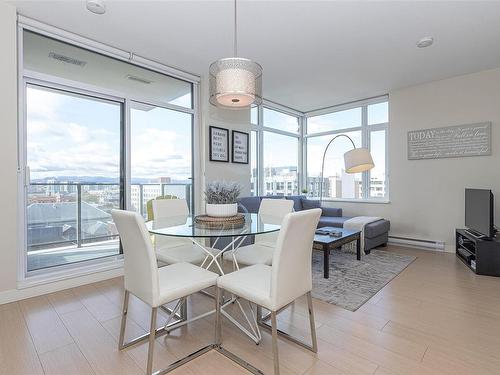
{"points": [[235, 82]]}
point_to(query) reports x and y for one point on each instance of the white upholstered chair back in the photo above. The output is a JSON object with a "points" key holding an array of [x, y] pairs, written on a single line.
{"points": [[291, 272], [169, 207], [166, 212], [272, 211], [140, 268]]}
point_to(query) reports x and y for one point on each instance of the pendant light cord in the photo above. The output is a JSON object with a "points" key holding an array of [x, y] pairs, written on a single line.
{"points": [[235, 31]]}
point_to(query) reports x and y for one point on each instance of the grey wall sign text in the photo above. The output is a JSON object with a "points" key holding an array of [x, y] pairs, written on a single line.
{"points": [[450, 142]]}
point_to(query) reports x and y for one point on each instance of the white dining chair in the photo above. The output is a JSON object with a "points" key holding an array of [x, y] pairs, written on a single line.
{"points": [[290, 277], [271, 211], [152, 285], [170, 249]]}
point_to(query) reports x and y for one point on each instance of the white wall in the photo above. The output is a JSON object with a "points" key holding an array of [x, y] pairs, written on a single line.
{"points": [[8, 147], [229, 119], [427, 196]]}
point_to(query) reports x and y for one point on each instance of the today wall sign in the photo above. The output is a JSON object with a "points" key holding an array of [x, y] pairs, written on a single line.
{"points": [[450, 142]]}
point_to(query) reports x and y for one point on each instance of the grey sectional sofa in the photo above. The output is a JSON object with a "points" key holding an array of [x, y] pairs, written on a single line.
{"points": [[376, 233]]}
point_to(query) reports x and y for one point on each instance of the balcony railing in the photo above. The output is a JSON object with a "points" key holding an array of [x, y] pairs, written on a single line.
{"points": [[62, 215], [140, 194]]}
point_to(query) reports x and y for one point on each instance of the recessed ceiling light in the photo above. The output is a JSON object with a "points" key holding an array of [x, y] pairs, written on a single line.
{"points": [[425, 42], [96, 6]]}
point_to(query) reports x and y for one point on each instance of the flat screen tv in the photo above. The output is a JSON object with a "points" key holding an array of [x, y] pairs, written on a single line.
{"points": [[479, 211]]}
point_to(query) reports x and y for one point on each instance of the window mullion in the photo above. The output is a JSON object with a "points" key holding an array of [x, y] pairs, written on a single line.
{"points": [[302, 183], [260, 152], [365, 142], [127, 156]]}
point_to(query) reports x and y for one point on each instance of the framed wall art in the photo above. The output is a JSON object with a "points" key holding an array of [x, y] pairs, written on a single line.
{"points": [[240, 141], [219, 144]]}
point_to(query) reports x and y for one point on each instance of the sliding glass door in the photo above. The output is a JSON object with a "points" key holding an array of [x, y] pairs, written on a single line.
{"points": [[97, 133], [73, 152]]}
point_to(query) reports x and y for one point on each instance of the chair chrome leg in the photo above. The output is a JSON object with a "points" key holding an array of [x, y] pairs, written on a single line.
{"points": [[259, 314], [124, 320], [154, 333], [218, 325], [184, 311], [274, 328], [311, 323], [152, 336], [285, 335]]}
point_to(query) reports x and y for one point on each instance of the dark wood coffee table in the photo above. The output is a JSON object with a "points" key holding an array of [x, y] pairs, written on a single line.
{"points": [[327, 243]]}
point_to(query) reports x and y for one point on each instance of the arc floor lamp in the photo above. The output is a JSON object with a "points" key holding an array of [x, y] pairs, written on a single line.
{"points": [[356, 160]]}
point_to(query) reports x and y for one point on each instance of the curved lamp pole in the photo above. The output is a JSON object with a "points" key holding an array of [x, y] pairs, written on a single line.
{"points": [[356, 160]]}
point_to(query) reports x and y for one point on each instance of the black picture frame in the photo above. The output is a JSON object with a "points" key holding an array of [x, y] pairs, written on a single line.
{"points": [[214, 153], [236, 148]]}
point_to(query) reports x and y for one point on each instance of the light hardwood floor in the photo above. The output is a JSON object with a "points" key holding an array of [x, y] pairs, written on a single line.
{"points": [[436, 317]]}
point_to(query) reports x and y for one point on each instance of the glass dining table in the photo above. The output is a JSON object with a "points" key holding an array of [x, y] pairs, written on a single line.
{"points": [[186, 226], [215, 242]]}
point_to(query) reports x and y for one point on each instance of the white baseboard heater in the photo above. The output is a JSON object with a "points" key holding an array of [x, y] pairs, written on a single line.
{"points": [[407, 241]]}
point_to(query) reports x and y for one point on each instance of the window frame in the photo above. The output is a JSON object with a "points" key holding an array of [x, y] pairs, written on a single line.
{"points": [[260, 128], [25, 77], [366, 131], [302, 136]]}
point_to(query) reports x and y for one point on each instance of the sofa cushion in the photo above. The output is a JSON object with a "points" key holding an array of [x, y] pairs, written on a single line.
{"points": [[308, 204], [297, 201], [377, 228], [331, 211], [252, 204], [332, 221]]}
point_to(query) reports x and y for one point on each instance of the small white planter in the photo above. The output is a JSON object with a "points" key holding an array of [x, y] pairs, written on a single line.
{"points": [[222, 210]]}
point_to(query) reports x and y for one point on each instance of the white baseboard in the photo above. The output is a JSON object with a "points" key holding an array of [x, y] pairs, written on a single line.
{"points": [[38, 290]]}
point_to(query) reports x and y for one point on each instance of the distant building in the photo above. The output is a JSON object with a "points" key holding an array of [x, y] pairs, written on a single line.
{"points": [[281, 181]]}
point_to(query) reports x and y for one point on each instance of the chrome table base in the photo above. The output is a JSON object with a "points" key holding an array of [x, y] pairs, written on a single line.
{"points": [[215, 257]]}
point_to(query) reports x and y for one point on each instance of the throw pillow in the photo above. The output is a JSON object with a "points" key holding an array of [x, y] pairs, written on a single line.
{"points": [[308, 204]]}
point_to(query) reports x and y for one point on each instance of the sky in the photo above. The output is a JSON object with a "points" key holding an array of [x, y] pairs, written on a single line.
{"points": [[69, 135]]}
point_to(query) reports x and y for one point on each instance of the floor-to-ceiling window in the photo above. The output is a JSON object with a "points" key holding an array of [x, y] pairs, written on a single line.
{"points": [[280, 164], [73, 151], [98, 133], [366, 123], [282, 138], [276, 143]]}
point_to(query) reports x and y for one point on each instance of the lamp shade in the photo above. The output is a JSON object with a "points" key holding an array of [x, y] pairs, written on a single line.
{"points": [[235, 83], [358, 160]]}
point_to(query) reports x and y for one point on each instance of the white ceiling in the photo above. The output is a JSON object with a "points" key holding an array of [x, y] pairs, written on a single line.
{"points": [[314, 53]]}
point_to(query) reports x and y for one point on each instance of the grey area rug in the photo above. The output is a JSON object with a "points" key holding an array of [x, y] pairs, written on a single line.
{"points": [[354, 282]]}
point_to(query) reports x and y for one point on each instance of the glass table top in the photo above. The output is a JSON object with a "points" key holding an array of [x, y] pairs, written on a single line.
{"points": [[184, 226]]}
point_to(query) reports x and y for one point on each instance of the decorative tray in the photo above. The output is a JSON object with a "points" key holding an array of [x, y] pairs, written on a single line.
{"points": [[211, 222]]}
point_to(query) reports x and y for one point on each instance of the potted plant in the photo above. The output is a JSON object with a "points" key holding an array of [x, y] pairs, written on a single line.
{"points": [[221, 198]]}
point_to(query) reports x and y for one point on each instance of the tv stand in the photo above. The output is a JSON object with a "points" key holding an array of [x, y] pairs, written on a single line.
{"points": [[481, 255]]}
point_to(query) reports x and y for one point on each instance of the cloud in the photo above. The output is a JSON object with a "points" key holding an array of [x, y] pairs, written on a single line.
{"points": [[42, 103], [158, 153], [64, 139]]}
